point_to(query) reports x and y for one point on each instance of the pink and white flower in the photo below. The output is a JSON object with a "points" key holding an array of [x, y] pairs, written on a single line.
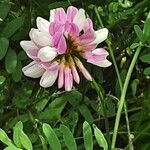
{"points": [[56, 46]]}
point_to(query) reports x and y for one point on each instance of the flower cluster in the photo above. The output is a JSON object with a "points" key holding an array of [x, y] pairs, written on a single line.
{"points": [[58, 45]]}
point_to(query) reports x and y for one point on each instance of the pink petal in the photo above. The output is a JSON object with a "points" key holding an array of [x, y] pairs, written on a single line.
{"points": [[75, 74], [50, 66], [84, 71], [61, 76], [72, 29], [68, 79], [102, 63], [56, 27], [88, 36], [71, 12], [88, 25], [100, 51], [42, 24], [33, 70], [60, 16], [48, 78], [59, 42]]}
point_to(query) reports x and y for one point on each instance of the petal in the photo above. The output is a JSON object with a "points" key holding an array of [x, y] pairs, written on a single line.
{"points": [[72, 29], [101, 35], [50, 66], [61, 76], [80, 19], [48, 78], [40, 38], [52, 12], [56, 27], [75, 74], [103, 63], [68, 79], [71, 12], [47, 54], [42, 24], [100, 51], [30, 48], [33, 70], [87, 37], [88, 25], [59, 42], [84, 71], [60, 16]]}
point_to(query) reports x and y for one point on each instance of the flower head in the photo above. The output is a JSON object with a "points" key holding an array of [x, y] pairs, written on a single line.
{"points": [[56, 47]]}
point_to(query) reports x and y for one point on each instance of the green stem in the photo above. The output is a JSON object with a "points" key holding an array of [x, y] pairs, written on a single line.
{"points": [[123, 95], [119, 79], [101, 96]]}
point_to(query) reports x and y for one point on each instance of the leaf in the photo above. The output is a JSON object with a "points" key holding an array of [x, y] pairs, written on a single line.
{"points": [[4, 138], [85, 112], [4, 9], [25, 141], [146, 29], [68, 138], [51, 137], [4, 43], [16, 133], [145, 58], [134, 85], [87, 136], [12, 26], [18, 72], [43, 142], [58, 4], [134, 45], [12, 148], [100, 138], [139, 33], [2, 79], [10, 61], [147, 71]]}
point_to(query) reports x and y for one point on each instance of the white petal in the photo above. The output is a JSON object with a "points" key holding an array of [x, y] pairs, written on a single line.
{"points": [[80, 19], [40, 38], [52, 12], [42, 24], [104, 63], [101, 35], [28, 45], [48, 78], [33, 70], [47, 54]]}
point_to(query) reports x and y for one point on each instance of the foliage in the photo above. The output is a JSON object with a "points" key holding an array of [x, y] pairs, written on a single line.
{"points": [[32, 117]]}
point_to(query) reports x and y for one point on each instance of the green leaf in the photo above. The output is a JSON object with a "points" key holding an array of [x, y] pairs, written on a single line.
{"points": [[134, 45], [68, 138], [4, 9], [16, 133], [4, 138], [87, 136], [147, 71], [17, 75], [58, 4], [12, 27], [43, 142], [4, 43], [145, 58], [134, 85], [139, 33], [146, 29], [100, 138], [2, 79], [12, 148], [85, 112], [10, 61], [51, 137], [25, 141]]}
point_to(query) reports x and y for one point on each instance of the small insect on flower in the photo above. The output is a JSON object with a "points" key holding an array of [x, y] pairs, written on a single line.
{"points": [[57, 46]]}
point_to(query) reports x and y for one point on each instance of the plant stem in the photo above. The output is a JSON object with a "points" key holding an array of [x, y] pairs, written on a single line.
{"points": [[119, 79], [100, 94], [123, 94]]}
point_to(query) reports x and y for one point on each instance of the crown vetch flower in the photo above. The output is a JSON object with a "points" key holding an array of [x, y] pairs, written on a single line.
{"points": [[57, 46]]}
